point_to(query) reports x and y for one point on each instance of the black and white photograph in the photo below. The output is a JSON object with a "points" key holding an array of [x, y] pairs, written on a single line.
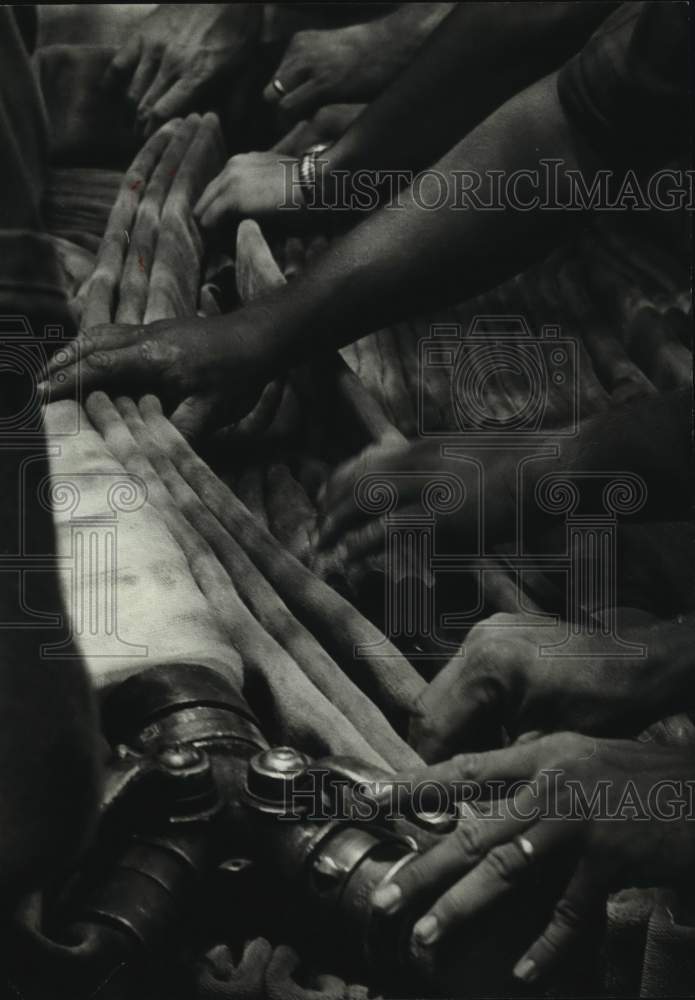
{"points": [[347, 549]]}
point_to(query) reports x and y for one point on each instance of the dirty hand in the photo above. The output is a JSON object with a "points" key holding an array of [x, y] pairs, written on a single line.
{"points": [[178, 53], [255, 185], [208, 360], [342, 65], [507, 676], [352, 524], [570, 791]]}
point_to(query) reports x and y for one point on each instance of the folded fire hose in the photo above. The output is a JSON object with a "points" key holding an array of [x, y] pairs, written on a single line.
{"points": [[206, 823]]}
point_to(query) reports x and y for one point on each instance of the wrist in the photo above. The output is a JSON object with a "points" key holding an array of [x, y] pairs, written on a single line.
{"points": [[270, 336]]}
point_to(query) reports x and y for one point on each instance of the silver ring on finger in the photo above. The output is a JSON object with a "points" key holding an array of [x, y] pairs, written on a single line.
{"points": [[526, 847], [279, 87]]}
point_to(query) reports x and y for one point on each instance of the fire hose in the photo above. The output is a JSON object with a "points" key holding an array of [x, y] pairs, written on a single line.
{"points": [[202, 822]]}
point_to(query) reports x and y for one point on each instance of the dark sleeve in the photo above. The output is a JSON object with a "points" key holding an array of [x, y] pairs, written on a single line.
{"points": [[49, 767], [627, 91]]}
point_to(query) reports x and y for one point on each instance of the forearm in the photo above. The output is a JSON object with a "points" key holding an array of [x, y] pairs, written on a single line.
{"points": [[650, 438], [404, 259], [438, 98]]}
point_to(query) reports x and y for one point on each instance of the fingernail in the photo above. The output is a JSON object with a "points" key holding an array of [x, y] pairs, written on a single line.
{"points": [[426, 931], [526, 970], [387, 898]]}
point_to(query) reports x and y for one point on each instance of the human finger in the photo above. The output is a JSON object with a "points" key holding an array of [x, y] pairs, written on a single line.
{"points": [[580, 900], [291, 72], [503, 867], [124, 62], [178, 100], [145, 71]]}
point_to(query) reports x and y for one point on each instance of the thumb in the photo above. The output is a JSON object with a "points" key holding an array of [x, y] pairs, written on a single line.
{"points": [[192, 415], [456, 711]]}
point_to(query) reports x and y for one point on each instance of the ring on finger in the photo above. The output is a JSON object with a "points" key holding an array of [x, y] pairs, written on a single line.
{"points": [[279, 87], [526, 847]]}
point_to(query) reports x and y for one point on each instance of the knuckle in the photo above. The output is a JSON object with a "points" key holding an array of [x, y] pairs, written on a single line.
{"points": [[502, 861], [549, 943], [483, 688], [448, 908], [423, 729], [468, 840], [566, 916], [482, 642], [562, 751], [98, 361], [149, 352], [495, 628], [466, 766], [491, 649], [413, 876], [86, 345]]}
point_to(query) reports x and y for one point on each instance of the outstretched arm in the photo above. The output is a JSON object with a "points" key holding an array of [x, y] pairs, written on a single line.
{"points": [[350, 63], [631, 437], [407, 257], [479, 56]]}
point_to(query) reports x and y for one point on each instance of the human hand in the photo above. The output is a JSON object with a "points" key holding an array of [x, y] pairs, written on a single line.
{"points": [[502, 680], [343, 65], [211, 364], [618, 808], [251, 184], [351, 532], [179, 52]]}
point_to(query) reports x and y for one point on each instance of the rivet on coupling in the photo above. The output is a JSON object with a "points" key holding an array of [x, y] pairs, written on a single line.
{"points": [[177, 758], [273, 774]]}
